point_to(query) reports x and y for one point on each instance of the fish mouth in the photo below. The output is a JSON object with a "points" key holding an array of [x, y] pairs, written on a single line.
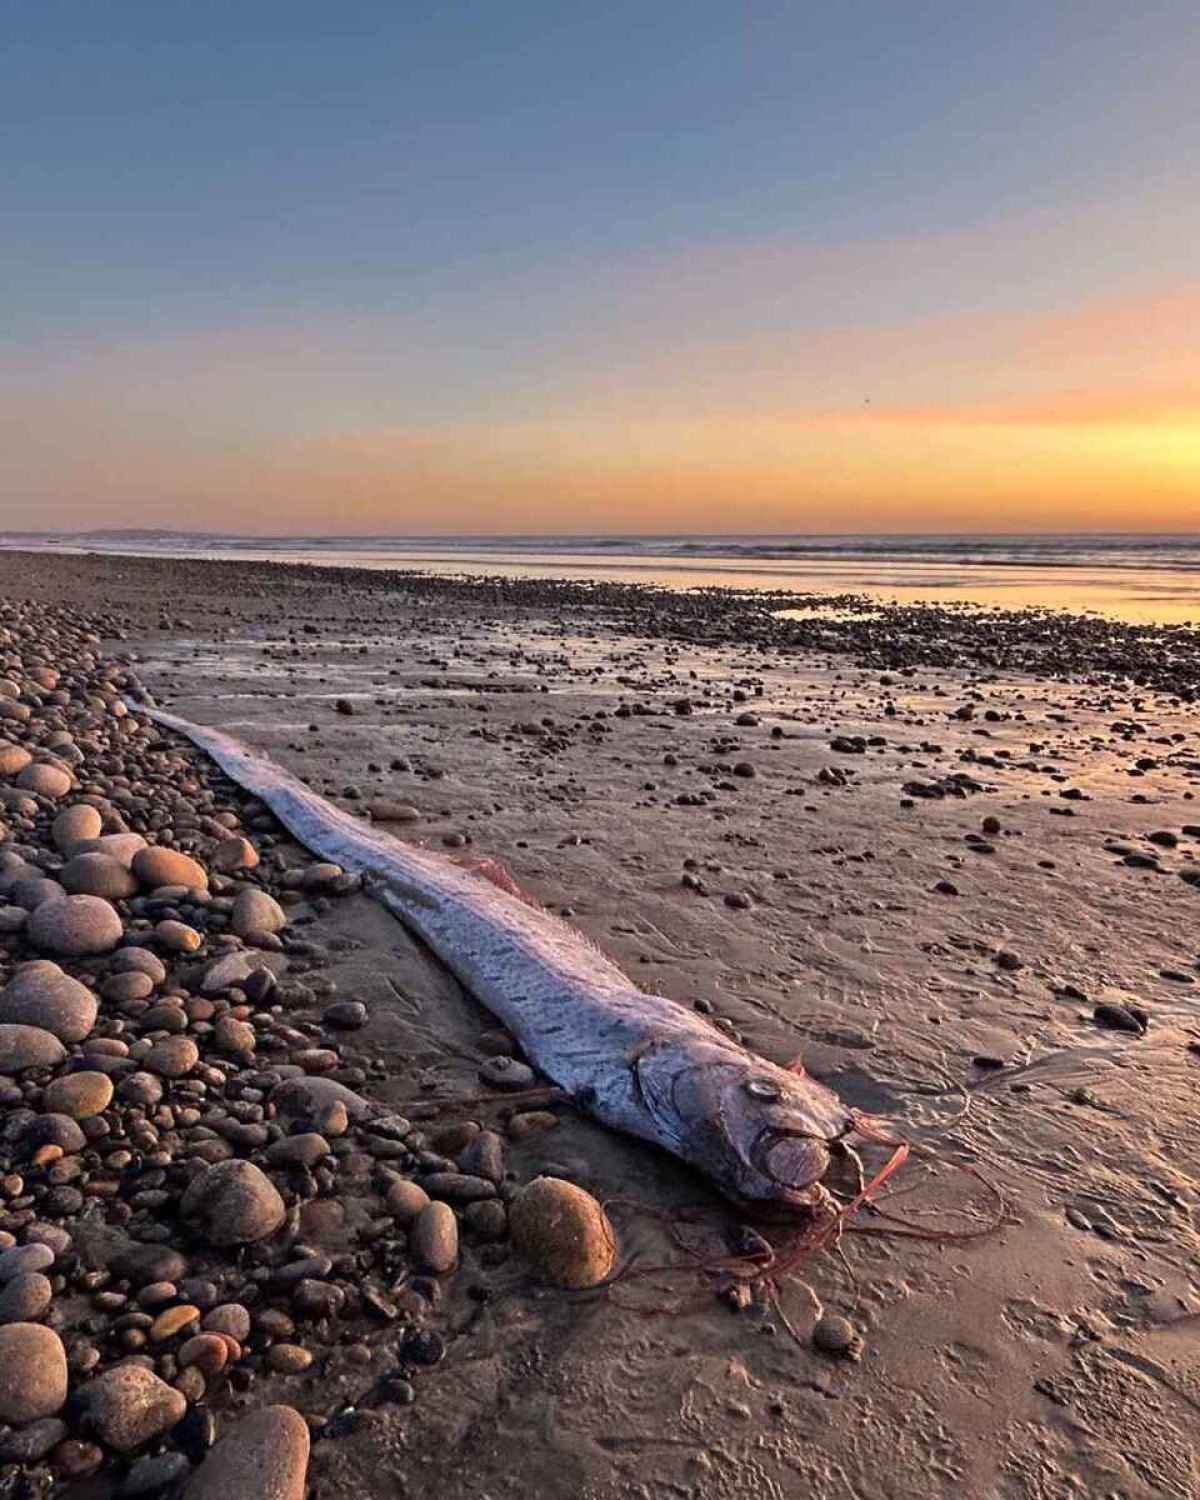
{"points": [[791, 1159]]}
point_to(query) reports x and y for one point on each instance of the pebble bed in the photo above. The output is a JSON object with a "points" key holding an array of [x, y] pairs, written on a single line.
{"points": [[181, 1111]]}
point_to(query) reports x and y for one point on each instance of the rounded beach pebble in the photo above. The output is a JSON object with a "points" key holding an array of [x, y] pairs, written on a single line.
{"points": [[836, 1335], [173, 1057], [33, 890], [119, 846], [24, 1047], [25, 1298], [76, 824], [256, 911], [235, 853], [383, 810], [155, 866], [265, 1457], [96, 874], [177, 937], [79, 1095], [44, 779], [13, 758], [128, 1405], [138, 961], [405, 1200], [33, 1373], [434, 1238], [563, 1233], [20, 1259], [40, 994], [233, 1203], [74, 926], [302, 1098]]}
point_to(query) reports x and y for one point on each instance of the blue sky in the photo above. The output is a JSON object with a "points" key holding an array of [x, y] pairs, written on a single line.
{"points": [[162, 159], [455, 213]]}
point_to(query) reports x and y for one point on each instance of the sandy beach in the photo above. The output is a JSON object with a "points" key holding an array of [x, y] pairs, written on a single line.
{"points": [[948, 859]]}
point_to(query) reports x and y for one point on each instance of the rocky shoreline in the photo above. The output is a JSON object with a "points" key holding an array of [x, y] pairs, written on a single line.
{"points": [[867, 632], [185, 1119]]}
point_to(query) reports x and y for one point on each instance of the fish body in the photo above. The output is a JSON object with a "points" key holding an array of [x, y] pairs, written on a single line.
{"points": [[640, 1063]]}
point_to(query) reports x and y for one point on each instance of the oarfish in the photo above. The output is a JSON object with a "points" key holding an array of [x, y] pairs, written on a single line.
{"points": [[639, 1063]]}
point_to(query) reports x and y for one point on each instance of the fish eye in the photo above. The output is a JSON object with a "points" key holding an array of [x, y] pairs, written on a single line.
{"points": [[762, 1088]]}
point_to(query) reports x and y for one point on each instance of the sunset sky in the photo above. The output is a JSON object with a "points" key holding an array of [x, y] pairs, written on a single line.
{"points": [[380, 267]]}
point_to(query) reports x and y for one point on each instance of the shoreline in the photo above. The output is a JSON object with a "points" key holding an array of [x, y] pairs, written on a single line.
{"points": [[1134, 591], [807, 846], [1039, 641]]}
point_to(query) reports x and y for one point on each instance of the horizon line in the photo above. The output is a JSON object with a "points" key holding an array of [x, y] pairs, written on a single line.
{"points": [[566, 536]]}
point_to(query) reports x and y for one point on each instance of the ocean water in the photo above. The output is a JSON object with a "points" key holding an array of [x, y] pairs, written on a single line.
{"points": [[1141, 578]]}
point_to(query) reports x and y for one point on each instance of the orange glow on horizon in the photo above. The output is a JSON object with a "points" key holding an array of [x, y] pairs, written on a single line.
{"points": [[1087, 420]]}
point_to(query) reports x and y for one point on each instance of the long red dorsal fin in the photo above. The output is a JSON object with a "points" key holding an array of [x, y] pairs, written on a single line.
{"points": [[491, 869]]}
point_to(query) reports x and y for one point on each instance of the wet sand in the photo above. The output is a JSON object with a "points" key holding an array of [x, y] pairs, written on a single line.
{"points": [[801, 874], [1139, 580]]}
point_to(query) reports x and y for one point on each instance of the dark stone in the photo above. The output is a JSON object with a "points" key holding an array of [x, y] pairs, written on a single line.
{"points": [[143, 1264], [196, 1432], [1128, 1018], [423, 1346]]}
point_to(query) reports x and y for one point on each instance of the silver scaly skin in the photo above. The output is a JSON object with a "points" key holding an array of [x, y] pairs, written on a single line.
{"points": [[639, 1063]]}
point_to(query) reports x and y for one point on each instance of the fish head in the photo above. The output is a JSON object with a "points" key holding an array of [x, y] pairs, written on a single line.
{"points": [[761, 1132], [776, 1129]]}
